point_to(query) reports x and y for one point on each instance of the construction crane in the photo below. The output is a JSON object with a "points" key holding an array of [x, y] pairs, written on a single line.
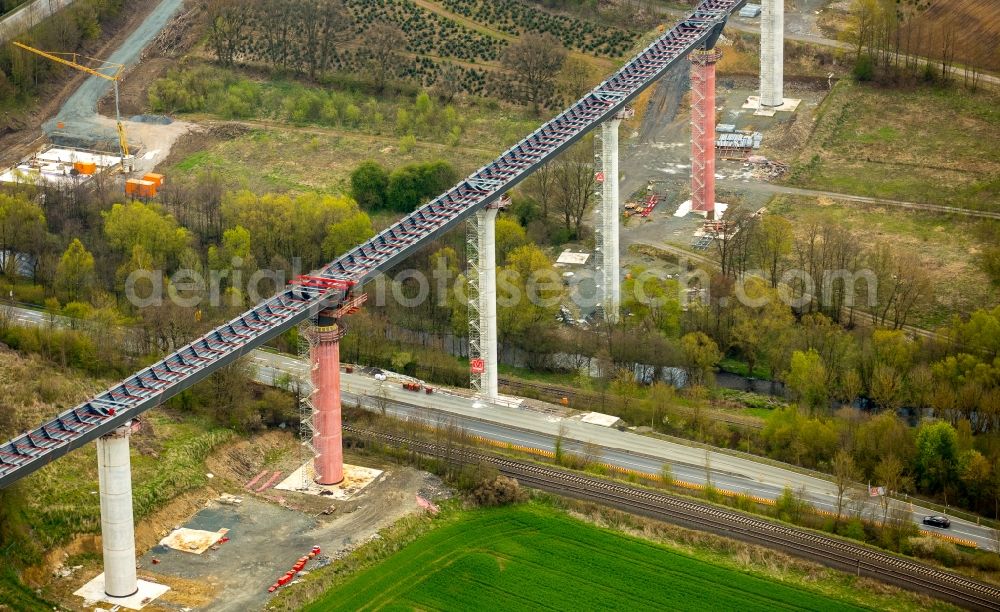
{"points": [[105, 70]]}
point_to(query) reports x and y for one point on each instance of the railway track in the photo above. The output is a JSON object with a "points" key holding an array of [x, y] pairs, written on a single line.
{"points": [[826, 550]]}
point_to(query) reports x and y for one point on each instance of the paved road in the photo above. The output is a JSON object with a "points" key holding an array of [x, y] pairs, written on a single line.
{"points": [[511, 423], [79, 113], [538, 430], [783, 189]]}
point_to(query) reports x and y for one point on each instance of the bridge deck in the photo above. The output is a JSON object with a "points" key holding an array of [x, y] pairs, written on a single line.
{"points": [[153, 385]]}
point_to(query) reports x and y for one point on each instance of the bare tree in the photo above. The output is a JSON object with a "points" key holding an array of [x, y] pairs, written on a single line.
{"points": [[733, 237], [541, 185], [844, 473], [381, 50], [325, 24], [535, 61], [277, 31], [574, 184], [890, 475], [228, 20], [449, 84], [574, 79]]}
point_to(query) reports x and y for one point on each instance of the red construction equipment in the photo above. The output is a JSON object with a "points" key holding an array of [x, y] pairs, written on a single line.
{"points": [[650, 205], [292, 573], [322, 282]]}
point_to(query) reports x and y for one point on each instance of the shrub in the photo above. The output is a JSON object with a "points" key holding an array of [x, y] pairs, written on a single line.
{"points": [[407, 143], [500, 491], [928, 547], [410, 185], [369, 183], [864, 68], [853, 529]]}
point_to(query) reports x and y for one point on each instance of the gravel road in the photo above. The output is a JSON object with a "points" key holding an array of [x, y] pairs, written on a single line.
{"points": [[79, 114]]}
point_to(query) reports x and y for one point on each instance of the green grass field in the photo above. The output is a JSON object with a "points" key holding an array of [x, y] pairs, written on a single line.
{"points": [[921, 144], [532, 558]]}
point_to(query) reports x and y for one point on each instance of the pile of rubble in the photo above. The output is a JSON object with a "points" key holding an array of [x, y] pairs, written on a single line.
{"points": [[764, 169]]}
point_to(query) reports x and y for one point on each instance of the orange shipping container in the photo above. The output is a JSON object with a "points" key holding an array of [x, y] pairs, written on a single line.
{"points": [[154, 178], [85, 167], [141, 189]]}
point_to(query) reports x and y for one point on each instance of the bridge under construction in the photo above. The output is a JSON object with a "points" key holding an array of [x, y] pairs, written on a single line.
{"points": [[333, 292]]}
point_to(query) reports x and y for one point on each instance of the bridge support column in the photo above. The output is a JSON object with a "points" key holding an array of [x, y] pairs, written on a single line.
{"points": [[703, 131], [483, 304], [328, 462], [772, 42], [608, 213], [117, 529]]}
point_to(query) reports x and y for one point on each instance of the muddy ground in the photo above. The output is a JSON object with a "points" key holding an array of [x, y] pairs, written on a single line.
{"points": [[268, 531], [656, 156], [28, 135]]}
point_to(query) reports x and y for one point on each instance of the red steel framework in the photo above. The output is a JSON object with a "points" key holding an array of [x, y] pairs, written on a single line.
{"points": [[703, 130]]}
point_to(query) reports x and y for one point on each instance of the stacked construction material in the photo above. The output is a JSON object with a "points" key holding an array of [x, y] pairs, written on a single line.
{"points": [[296, 569]]}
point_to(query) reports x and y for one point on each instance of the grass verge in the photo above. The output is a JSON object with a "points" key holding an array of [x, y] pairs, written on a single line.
{"points": [[922, 144]]}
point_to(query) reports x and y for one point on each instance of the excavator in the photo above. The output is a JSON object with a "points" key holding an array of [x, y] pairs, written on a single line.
{"points": [[105, 70]]}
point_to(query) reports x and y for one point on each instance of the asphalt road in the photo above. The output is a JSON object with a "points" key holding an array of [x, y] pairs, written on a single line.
{"points": [[626, 449], [511, 423]]}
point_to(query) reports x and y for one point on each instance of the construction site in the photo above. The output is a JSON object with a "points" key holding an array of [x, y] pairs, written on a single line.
{"points": [[255, 459]]}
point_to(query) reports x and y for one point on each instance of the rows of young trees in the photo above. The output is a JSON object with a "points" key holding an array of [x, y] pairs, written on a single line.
{"points": [[381, 44], [519, 18], [349, 35]]}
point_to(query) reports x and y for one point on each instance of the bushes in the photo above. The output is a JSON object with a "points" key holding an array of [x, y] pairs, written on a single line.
{"points": [[501, 491], [409, 186], [403, 190], [206, 89], [864, 68], [426, 33], [369, 183]]}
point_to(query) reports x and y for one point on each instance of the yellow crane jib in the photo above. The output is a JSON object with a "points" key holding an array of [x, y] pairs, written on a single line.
{"points": [[105, 70]]}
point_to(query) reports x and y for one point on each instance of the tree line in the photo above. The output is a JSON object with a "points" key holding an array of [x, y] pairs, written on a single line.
{"points": [[896, 39]]}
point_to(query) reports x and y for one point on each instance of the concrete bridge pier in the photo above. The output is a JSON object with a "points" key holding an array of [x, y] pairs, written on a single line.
{"points": [[772, 53], [487, 268], [328, 463], [608, 213], [117, 527]]}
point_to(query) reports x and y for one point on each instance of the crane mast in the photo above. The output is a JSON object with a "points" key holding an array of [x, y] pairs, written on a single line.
{"points": [[106, 70]]}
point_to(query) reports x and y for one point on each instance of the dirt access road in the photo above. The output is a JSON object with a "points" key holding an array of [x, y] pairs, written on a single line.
{"points": [[266, 538], [84, 126]]}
